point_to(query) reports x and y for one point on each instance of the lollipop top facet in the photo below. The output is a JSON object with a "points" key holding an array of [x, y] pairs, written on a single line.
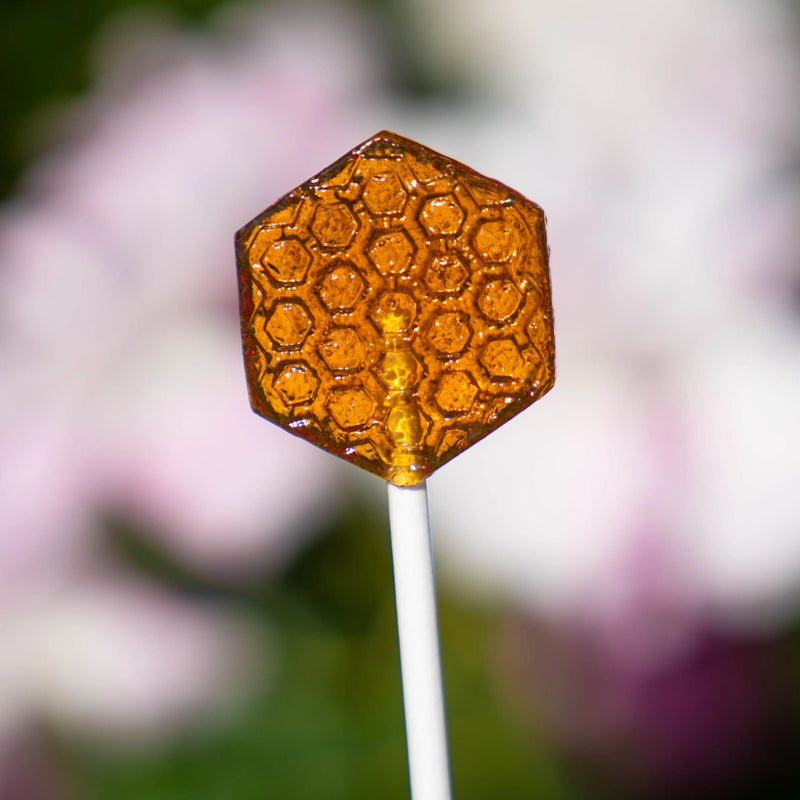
{"points": [[396, 308]]}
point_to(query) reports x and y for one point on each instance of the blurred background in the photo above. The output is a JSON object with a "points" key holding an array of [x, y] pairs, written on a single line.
{"points": [[195, 604]]}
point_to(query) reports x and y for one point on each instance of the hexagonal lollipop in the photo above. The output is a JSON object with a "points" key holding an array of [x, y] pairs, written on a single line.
{"points": [[396, 309]]}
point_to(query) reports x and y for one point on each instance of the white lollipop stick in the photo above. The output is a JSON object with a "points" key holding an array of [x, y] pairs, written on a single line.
{"points": [[418, 631]]}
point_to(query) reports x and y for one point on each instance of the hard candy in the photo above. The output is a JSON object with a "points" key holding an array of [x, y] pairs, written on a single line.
{"points": [[396, 308]]}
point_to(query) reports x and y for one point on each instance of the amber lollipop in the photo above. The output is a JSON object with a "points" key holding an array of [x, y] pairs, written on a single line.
{"points": [[396, 309]]}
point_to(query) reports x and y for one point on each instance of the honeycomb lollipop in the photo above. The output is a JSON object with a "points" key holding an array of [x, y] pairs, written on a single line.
{"points": [[395, 309]]}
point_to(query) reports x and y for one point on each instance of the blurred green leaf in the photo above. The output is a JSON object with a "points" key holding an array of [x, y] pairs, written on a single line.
{"points": [[328, 722], [44, 62]]}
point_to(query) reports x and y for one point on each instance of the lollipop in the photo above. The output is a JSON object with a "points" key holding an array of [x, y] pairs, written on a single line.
{"points": [[396, 309]]}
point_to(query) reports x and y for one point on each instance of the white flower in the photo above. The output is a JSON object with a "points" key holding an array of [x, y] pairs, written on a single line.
{"points": [[117, 656], [657, 137]]}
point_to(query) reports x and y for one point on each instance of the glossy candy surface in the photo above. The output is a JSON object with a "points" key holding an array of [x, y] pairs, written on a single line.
{"points": [[396, 308]]}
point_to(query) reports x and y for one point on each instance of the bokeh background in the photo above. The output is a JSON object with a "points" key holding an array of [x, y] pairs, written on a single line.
{"points": [[195, 604]]}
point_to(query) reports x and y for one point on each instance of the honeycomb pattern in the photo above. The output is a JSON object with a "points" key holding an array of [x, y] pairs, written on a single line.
{"points": [[396, 308]]}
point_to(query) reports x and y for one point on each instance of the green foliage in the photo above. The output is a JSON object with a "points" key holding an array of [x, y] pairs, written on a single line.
{"points": [[44, 62], [326, 720]]}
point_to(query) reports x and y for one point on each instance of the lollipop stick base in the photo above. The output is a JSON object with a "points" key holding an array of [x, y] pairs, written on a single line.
{"points": [[418, 633]]}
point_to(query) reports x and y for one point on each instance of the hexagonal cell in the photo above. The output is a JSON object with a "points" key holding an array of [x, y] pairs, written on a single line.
{"points": [[446, 274], [451, 438], [442, 215], [340, 288], [391, 252], [502, 359], [449, 333], [288, 324], [296, 383], [334, 225], [287, 261], [399, 370], [499, 300], [455, 392], [351, 407], [342, 349], [497, 241], [404, 426], [384, 194], [394, 312], [260, 243]]}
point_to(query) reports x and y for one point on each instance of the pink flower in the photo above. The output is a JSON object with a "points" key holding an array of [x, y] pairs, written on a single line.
{"points": [[121, 363], [118, 299]]}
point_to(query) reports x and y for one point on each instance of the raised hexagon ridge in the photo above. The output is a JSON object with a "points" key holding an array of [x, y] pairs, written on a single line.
{"points": [[391, 252], [334, 225], [442, 215], [456, 392], [446, 274], [351, 407], [497, 241], [342, 349], [288, 324], [502, 359], [384, 194], [296, 383], [449, 333], [340, 288], [286, 261], [499, 300]]}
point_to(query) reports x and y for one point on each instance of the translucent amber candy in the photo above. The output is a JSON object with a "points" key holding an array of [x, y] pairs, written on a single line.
{"points": [[396, 308]]}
